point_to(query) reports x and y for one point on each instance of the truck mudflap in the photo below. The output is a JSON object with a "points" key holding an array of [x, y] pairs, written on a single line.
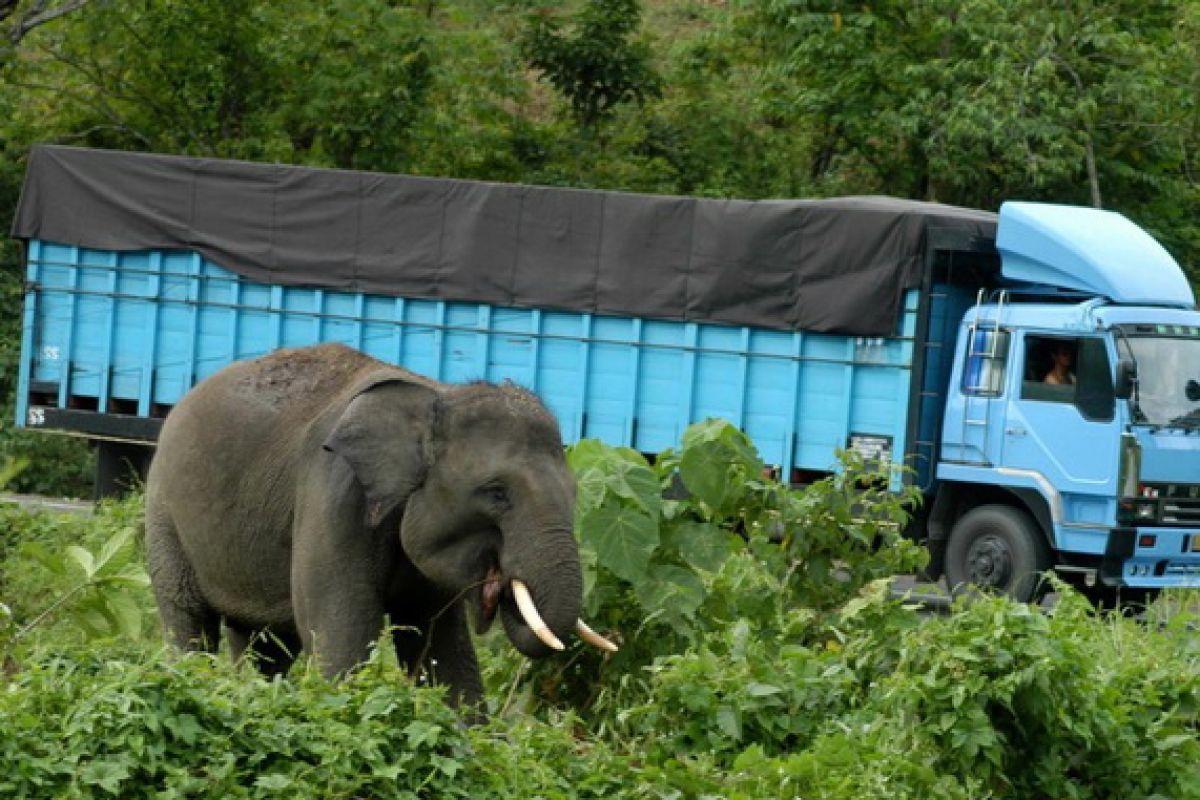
{"points": [[1152, 558]]}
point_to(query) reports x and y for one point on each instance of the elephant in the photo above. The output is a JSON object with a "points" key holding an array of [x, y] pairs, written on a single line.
{"points": [[303, 496]]}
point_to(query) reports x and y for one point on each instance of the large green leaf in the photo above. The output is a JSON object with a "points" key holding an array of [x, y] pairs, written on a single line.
{"points": [[126, 614], [636, 483], [84, 559], [705, 472], [701, 544], [115, 552], [591, 485], [673, 592], [586, 454], [622, 538]]}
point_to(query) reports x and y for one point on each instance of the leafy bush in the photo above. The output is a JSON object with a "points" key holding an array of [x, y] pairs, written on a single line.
{"points": [[64, 576], [763, 655], [997, 700], [198, 728], [676, 552]]}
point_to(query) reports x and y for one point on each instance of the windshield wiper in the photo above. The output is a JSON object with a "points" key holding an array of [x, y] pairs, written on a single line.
{"points": [[1189, 420]]}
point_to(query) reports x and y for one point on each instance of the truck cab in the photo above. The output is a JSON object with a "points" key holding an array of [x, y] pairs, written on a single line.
{"points": [[1071, 436]]}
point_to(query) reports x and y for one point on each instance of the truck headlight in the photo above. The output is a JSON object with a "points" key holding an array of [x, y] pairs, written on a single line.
{"points": [[1137, 509]]}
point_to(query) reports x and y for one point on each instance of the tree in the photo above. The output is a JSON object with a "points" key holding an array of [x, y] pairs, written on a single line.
{"points": [[596, 66], [336, 85], [33, 15], [1088, 101]]}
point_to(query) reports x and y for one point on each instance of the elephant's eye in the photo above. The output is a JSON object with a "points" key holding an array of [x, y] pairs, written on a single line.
{"points": [[496, 493]]}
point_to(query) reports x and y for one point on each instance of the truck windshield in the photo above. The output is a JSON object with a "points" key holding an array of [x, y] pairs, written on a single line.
{"points": [[1168, 379]]}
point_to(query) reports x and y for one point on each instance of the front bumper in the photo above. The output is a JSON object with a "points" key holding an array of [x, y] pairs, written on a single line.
{"points": [[1152, 558]]}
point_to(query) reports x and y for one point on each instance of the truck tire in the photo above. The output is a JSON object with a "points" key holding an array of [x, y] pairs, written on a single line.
{"points": [[998, 548]]}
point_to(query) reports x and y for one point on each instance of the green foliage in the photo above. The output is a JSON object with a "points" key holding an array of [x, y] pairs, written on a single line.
{"points": [[131, 725], [676, 552], [781, 683], [333, 86], [596, 67], [200, 729], [69, 578], [354, 81], [997, 700], [977, 102]]}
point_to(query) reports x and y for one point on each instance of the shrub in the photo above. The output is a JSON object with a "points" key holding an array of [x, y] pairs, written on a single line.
{"points": [[763, 655], [677, 551]]}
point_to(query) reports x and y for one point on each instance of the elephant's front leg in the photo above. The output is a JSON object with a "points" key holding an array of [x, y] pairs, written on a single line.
{"points": [[338, 623], [337, 582], [441, 646]]}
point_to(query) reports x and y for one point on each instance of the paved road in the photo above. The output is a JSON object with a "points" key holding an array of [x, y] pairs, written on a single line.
{"points": [[54, 504]]}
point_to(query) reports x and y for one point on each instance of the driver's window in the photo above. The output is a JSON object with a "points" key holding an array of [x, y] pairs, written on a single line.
{"points": [[1075, 370]]}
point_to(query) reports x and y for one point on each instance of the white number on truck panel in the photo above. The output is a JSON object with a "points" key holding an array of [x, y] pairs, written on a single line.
{"points": [[50, 353], [36, 417]]}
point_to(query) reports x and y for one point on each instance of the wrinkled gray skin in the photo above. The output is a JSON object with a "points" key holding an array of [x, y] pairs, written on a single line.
{"points": [[301, 497]]}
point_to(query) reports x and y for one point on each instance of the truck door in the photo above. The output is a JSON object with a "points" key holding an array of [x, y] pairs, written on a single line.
{"points": [[1062, 423]]}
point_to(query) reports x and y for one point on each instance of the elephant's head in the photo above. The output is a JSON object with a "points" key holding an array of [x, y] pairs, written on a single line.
{"points": [[485, 495]]}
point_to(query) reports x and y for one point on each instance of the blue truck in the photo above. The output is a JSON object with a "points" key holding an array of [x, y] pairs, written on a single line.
{"points": [[1038, 370]]}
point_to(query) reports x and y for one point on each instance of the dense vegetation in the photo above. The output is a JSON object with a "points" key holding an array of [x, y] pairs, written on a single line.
{"points": [[761, 656], [962, 102]]}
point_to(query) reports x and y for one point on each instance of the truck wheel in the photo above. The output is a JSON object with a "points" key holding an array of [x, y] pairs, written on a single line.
{"points": [[998, 548]]}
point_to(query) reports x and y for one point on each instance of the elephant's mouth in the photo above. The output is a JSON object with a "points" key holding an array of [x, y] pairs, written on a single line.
{"points": [[489, 599], [495, 589]]}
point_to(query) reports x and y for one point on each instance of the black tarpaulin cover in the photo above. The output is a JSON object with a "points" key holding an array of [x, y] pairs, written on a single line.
{"points": [[838, 265]]}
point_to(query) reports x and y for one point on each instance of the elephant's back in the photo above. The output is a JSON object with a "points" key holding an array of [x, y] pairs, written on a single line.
{"points": [[291, 382], [283, 389]]}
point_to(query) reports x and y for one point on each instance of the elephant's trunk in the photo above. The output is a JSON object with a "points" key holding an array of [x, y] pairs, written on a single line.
{"points": [[543, 594]]}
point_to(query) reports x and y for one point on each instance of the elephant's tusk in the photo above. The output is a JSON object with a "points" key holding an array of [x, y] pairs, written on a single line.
{"points": [[532, 618], [593, 638]]}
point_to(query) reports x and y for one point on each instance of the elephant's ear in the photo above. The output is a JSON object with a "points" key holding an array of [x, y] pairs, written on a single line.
{"points": [[384, 435]]}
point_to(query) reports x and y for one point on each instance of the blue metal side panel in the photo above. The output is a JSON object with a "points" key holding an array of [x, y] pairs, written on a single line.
{"points": [[768, 399], [610, 378], [28, 323], [49, 311], [172, 361], [107, 328], [662, 371], [127, 342]]}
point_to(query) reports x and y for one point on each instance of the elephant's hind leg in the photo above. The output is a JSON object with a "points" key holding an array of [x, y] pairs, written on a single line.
{"points": [[271, 652], [190, 623]]}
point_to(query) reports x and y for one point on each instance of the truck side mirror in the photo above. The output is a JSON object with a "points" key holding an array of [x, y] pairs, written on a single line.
{"points": [[1126, 378]]}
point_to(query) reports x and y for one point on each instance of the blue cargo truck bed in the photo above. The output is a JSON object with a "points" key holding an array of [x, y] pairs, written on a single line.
{"points": [[812, 325], [125, 335]]}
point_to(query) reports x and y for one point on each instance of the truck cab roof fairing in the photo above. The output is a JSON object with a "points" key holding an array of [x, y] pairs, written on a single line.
{"points": [[1089, 250]]}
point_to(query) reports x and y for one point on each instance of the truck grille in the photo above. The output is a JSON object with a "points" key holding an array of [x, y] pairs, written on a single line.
{"points": [[1181, 512], [1178, 503]]}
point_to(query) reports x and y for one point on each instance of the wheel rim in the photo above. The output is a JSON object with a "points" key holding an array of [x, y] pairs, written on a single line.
{"points": [[990, 562]]}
